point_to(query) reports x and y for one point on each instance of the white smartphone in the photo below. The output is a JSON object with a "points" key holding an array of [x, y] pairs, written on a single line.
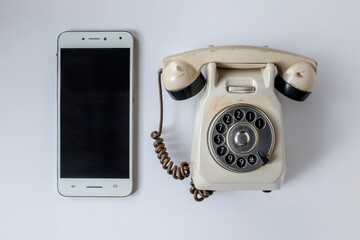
{"points": [[95, 113]]}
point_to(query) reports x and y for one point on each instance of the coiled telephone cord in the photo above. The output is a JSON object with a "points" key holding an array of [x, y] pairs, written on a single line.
{"points": [[178, 172]]}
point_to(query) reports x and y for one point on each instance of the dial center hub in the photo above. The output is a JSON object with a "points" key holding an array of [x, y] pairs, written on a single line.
{"points": [[242, 138]]}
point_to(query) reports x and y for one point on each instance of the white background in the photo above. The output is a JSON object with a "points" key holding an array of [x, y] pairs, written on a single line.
{"points": [[320, 198]]}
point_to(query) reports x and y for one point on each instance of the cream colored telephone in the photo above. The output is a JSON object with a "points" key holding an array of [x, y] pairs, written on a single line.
{"points": [[238, 139]]}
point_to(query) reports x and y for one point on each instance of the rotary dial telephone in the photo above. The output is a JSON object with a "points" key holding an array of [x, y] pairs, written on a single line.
{"points": [[238, 138]]}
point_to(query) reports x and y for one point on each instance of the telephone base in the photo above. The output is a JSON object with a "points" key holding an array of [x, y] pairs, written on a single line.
{"points": [[229, 142]]}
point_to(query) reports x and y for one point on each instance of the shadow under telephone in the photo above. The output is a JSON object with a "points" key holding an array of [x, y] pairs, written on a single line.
{"points": [[238, 139]]}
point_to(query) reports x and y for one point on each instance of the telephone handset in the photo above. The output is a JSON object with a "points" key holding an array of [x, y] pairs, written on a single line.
{"points": [[238, 139]]}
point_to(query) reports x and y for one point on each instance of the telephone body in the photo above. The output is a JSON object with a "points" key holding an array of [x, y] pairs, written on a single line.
{"points": [[238, 137]]}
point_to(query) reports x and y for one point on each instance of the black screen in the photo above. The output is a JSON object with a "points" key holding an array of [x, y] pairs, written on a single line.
{"points": [[94, 113]]}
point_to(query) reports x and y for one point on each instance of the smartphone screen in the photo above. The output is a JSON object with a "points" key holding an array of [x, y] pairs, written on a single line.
{"points": [[94, 112]]}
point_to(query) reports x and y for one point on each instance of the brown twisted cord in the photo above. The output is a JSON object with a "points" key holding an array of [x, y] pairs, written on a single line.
{"points": [[178, 172], [181, 172], [199, 195]]}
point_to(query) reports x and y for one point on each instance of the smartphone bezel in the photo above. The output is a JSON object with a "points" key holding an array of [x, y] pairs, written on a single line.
{"points": [[96, 186]]}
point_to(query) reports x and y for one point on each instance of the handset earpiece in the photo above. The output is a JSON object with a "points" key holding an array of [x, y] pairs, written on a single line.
{"points": [[181, 80], [297, 81]]}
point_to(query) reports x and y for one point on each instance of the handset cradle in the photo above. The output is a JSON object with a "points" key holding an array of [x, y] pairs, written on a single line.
{"points": [[183, 78]]}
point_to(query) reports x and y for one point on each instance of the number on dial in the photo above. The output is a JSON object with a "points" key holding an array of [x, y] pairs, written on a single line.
{"points": [[218, 139], [230, 159], [220, 128], [221, 150]]}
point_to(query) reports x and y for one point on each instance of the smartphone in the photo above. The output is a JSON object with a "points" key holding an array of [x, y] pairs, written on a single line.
{"points": [[95, 113]]}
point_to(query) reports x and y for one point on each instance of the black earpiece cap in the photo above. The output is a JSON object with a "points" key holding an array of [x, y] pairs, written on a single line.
{"points": [[289, 91], [194, 88]]}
